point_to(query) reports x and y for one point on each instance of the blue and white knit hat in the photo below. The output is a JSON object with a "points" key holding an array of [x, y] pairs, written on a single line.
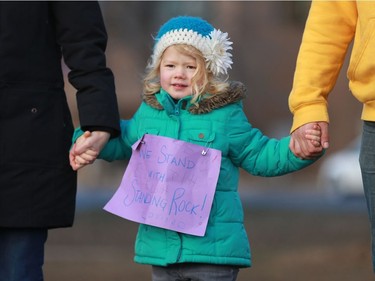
{"points": [[198, 33]]}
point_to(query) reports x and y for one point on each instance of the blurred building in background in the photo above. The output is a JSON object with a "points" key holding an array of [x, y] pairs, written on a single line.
{"points": [[266, 36]]}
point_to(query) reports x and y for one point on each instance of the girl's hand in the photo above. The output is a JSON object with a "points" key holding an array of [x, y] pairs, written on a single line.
{"points": [[85, 155], [314, 135]]}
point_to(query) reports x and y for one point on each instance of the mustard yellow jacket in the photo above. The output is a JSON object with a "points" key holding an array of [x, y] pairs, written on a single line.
{"points": [[330, 28]]}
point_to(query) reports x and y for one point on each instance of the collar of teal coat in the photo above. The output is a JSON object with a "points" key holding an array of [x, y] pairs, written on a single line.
{"points": [[169, 104], [163, 101]]}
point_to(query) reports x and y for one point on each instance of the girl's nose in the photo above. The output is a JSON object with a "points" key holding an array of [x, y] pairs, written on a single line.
{"points": [[180, 73]]}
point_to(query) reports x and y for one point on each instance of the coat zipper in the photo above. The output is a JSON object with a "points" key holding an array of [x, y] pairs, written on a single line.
{"points": [[180, 250]]}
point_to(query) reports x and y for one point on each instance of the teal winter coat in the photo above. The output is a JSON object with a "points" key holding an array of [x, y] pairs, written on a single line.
{"points": [[220, 123]]}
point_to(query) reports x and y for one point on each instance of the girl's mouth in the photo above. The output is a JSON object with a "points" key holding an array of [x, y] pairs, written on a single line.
{"points": [[179, 85]]}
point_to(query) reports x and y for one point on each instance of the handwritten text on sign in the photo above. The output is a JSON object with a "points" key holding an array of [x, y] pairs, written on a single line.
{"points": [[169, 184]]}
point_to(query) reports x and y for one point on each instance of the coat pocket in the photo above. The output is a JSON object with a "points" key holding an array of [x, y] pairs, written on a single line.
{"points": [[36, 127], [201, 137], [362, 65]]}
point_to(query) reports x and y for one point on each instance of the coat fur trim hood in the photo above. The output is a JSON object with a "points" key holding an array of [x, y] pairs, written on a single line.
{"points": [[236, 92]]}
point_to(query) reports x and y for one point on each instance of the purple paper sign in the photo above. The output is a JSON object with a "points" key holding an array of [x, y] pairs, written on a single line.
{"points": [[169, 184]]}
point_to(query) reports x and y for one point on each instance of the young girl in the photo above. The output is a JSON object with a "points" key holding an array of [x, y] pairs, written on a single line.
{"points": [[186, 98]]}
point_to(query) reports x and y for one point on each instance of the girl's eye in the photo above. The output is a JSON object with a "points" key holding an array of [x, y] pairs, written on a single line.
{"points": [[191, 67]]}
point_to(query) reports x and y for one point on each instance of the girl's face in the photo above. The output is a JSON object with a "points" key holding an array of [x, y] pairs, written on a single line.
{"points": [[176, 73]]}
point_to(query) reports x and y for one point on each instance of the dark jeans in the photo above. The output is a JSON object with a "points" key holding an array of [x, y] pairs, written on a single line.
{"points": [[367, 163], [194, 272], [22, 254]]}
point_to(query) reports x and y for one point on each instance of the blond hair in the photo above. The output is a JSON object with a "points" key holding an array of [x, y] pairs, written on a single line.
{"points": [[203, 81]]}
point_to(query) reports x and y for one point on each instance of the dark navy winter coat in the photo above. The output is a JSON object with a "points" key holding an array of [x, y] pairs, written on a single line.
{"points": [[37, 184]]}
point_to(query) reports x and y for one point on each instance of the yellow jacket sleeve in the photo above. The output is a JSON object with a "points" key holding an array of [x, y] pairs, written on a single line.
{"points": [[329, 30]]}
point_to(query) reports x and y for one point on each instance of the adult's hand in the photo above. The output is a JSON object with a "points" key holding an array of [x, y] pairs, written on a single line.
{"points": [[87, 148], [302, 147]]}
